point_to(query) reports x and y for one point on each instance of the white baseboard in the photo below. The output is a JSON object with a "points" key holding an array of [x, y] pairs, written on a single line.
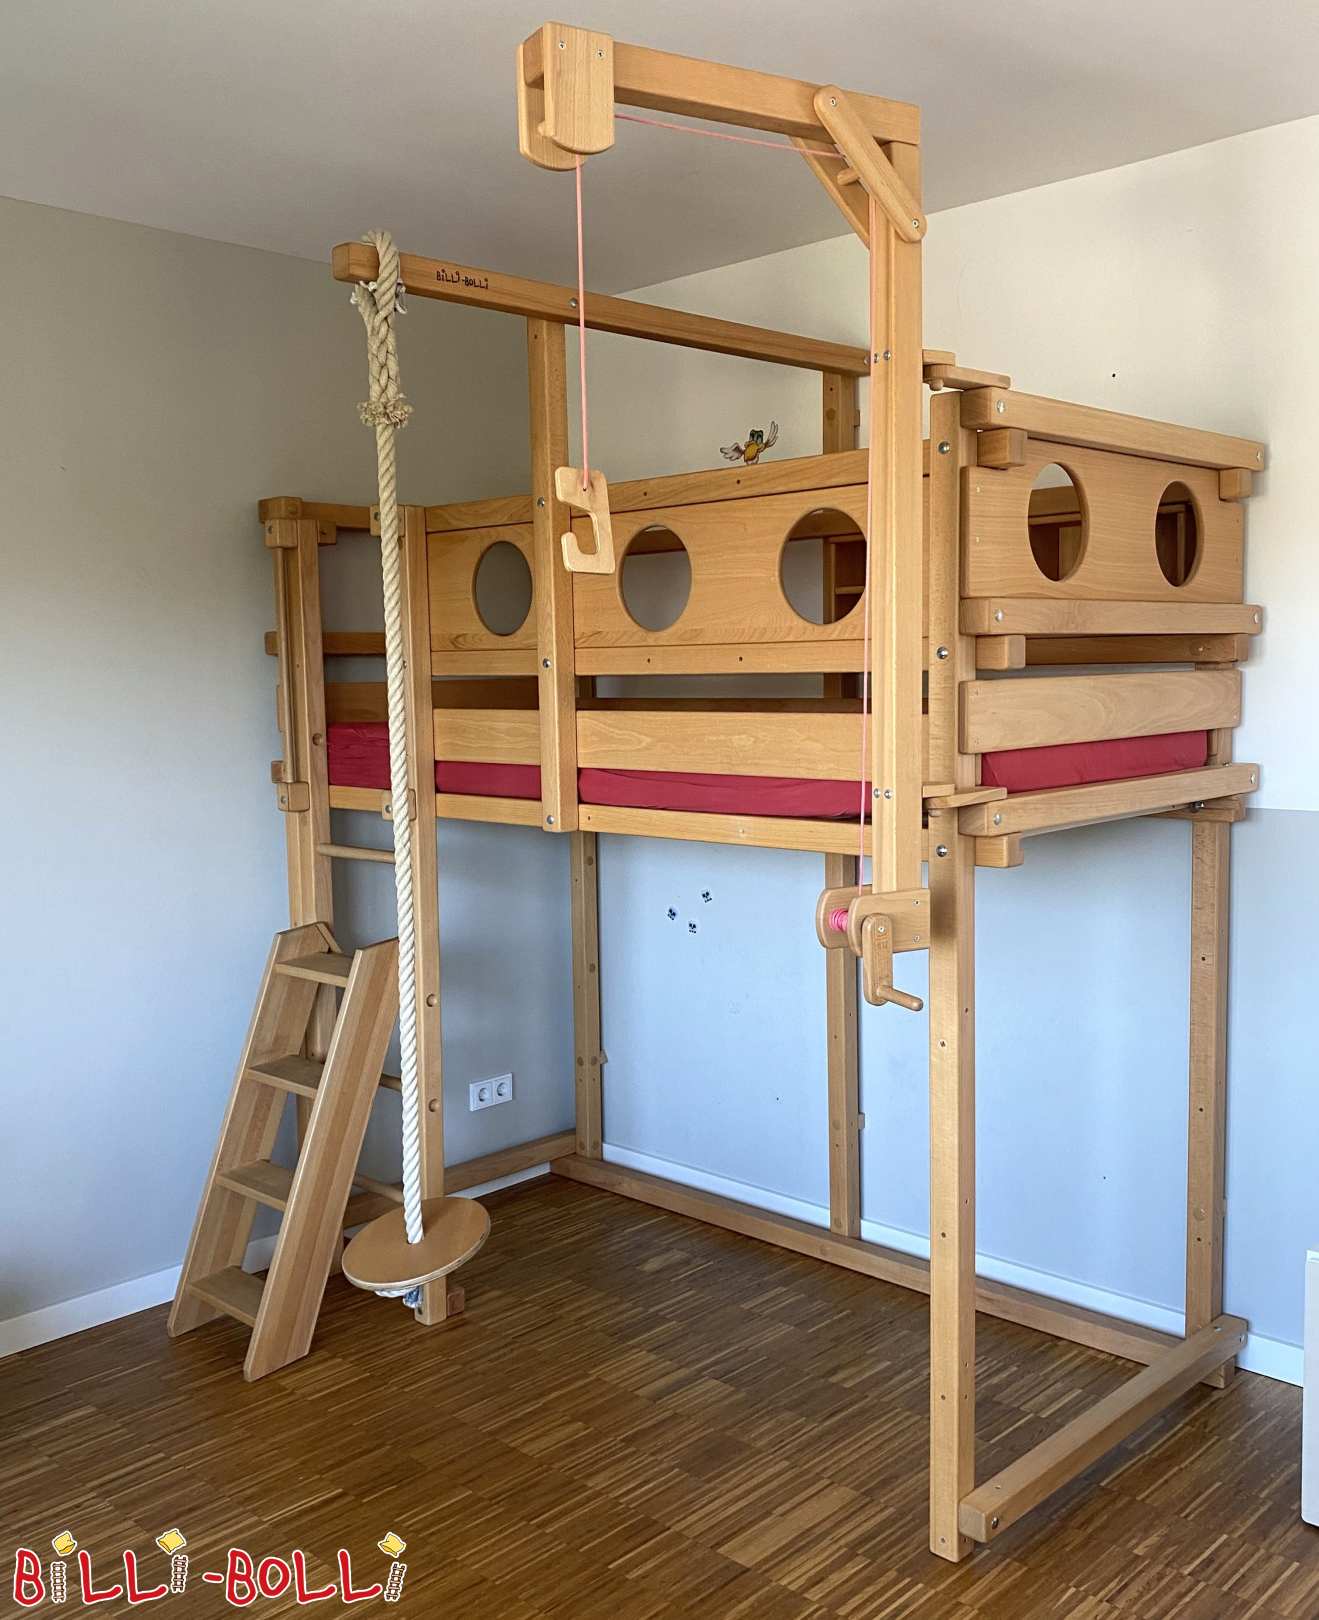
{"points": [[141, 1293], [1273, 1358]]}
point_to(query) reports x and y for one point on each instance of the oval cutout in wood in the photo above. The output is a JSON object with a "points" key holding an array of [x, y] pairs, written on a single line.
{"points": [[502, 589], [1177, 534], [822, 566], [655, 578], [1057, 523]]}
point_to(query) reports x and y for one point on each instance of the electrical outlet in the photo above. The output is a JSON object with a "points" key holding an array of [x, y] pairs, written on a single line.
{"points": [[489, 1093]]}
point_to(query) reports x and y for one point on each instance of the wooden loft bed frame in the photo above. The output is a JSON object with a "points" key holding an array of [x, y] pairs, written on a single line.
{"points": [[962, 621]]}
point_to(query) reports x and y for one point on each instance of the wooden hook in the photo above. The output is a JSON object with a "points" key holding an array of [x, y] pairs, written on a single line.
{"points": [[594, 501], [877, 965]]}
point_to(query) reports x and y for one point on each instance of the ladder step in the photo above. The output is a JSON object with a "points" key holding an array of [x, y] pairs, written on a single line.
{"points": [[236, 1292], [325, 967], [269, 1184], [301, 1075], [295, 1073], [355, 852]]}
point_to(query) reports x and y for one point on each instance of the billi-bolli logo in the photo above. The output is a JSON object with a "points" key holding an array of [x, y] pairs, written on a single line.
{"points": [[243, 1579]]}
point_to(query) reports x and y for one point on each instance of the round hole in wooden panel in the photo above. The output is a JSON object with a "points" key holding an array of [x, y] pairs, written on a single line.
{"points": [[501, 588], [1177, 534], [822, 567], [1057, 522], [655, 578]]}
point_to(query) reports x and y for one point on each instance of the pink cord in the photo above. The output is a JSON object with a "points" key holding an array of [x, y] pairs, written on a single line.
{"points": [[721, 135], [581, 335], [838, 919], [865, 645]]}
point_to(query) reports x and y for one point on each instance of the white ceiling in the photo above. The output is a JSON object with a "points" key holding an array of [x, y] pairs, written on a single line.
{"points": [[293, 124]]}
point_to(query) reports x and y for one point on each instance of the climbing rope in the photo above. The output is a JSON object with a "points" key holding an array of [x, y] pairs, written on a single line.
{"points": [[387, 411]]}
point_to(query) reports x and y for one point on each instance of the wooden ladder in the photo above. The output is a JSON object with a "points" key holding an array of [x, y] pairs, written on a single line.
{"points": [[311, 1198]]}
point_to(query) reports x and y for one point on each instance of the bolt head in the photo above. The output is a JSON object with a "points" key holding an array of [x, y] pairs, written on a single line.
{"points": [[1001, 406], [888, 354], [546, 664], [888, 793], [549, 821], [998, 615], [941, 652], [998, 819], [944, 447], [941, 850], [540, 500]]}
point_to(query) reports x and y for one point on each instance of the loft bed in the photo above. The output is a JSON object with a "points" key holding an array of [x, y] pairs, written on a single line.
{"points": [[1044, 655]]}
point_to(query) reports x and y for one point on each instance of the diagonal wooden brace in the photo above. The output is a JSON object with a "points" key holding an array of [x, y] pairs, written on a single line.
{"points": [[873, 170], [594, 501]]}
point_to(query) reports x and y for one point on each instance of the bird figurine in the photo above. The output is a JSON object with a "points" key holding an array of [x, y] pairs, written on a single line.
{"points": [[758, 441]]}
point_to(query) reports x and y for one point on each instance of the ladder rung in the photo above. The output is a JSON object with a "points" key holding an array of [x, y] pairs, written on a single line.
{"points": [[236, 1292], [393, 1190], [301, 1075], [294, 1073], [268, 1183], [325, 967], [355, 852]]}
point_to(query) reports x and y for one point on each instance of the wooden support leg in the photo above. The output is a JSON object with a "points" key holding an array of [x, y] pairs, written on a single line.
{"points": [[952, 1183], [588, 1086], [840, 871], [1211, 850]]}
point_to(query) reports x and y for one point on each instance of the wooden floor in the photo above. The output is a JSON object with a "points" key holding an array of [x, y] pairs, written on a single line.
{"points": [[642, 1416]]}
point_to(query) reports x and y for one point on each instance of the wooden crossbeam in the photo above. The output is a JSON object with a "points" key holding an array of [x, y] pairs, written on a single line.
{"points": [[1053, 808], [1024, 1484]]}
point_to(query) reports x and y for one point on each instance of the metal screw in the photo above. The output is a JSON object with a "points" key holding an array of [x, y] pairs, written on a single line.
{"points": [[563, 44], [430, 1001], [874, 793], [941, 652], [888, 354], [1001, 406], [540, 500], [998, 819], [549, 821], [833, 101], [998, 616], [993, 1523], [572, 303], [880, 928], [941, 850], [600, 54], [1257, 618], [944, 447], [545, 664], [888, 793], [915, 224]]}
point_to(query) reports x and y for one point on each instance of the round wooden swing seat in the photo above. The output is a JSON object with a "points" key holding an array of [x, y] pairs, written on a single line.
{"points": [[380, 1256]]}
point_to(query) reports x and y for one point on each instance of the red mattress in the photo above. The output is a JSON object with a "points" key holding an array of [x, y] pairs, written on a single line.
{"points": [[359, 757]]}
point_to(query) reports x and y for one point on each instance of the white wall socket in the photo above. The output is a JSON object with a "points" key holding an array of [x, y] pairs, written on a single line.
{"points": [[487, 1093]]}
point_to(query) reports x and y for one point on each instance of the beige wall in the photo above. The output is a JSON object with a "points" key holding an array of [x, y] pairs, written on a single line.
{"points": [[155, 386]]}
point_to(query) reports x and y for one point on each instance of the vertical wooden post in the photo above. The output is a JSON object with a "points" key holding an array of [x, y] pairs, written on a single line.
{"points": [[1211, 857], [553, 589], [839, 420], [895, 518], [588, 1069], [439, 1299], [302, 714], [952, 1011]]}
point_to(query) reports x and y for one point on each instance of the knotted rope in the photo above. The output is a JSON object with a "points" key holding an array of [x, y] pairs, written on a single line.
{"points": [[386, 411]]}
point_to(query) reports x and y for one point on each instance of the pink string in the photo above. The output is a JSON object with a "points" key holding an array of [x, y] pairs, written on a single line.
{"points": [[581, 335], [865, 643], [722, 135], [838, 919]]}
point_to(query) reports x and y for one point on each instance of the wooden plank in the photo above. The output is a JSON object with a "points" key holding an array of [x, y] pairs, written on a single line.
{"points": [[1112, 509], [1206, 1198], [234, 1291], [664, 82], [1001, 652], [499, 736], [840, 419], [759, 832], [900, 208], [359, 798], [734, 658], [850, 199], [1039, 616], [1072, 1322], [541, 301], [1108, 430], [479, 807], [954, 376], [328, 515], [312, 1226], [1029, 713], [820, 747], [457, 626], [844, 1086], [1053, 808], [340, 643], [577, 87], [494, 511], [1000, 447], [1038, 651], [1001, 1501], [507, 1161], [553, 607], [588, 1089]]}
